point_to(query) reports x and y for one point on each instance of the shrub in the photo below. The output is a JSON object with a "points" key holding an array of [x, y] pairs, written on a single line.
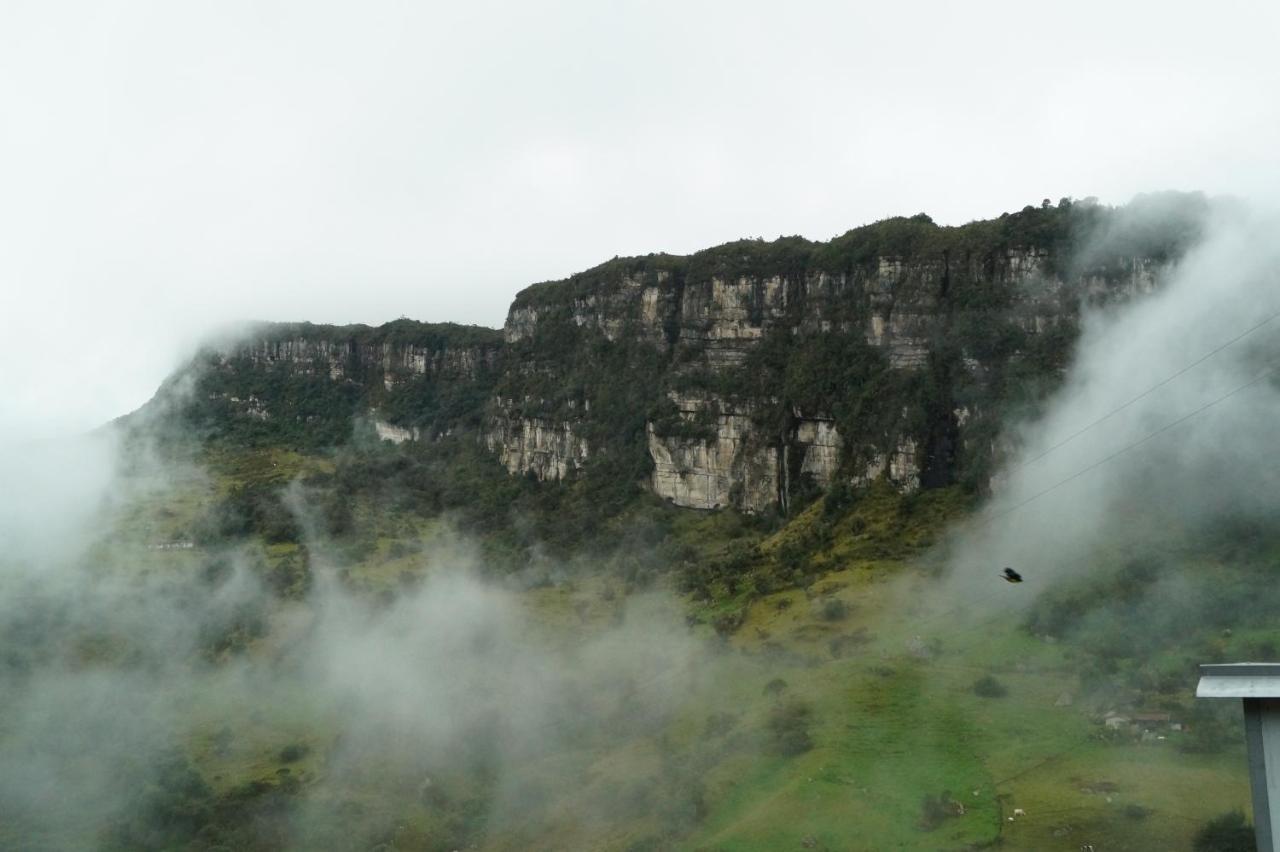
{"points": [[775, 687], [726, 624], [835, 610], [988, 687], [294, 752], [165, 813], [1226, 833], [936, 809], [719, 724], [840, 496], [789, 727]]}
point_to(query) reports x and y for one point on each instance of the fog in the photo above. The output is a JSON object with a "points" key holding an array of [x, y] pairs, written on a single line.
{"points": [[1159, 438], [168, 168], [125, 664], [122, 661]]}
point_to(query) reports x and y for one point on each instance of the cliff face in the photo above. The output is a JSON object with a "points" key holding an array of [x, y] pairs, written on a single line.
{"points": [[751, 375], [546, 448], [310, 385], [396, 361], [944, 328]]}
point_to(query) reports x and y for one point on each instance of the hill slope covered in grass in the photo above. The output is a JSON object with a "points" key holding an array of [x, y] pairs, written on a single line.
{"points": [[838, 707], [430, 587]]}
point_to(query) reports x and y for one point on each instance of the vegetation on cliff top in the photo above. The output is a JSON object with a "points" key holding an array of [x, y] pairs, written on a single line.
{"points": [[434, 337], [1158, 226]]}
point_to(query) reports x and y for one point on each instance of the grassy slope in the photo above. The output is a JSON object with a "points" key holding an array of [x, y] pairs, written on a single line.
{"points": [[895, 727], [890, 725]]}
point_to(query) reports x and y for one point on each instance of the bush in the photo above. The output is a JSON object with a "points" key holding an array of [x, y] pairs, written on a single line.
{"points": [[835, 610], [840, 497], [934, 810], [1226, 833], [775, 687], [726, 624], [165, 813], [719, 724], [1136, 812], [789, 727], [294, 752], [988, 687]]}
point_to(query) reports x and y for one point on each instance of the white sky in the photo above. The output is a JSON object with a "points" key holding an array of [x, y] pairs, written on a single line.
{"points": [[166, 167]]}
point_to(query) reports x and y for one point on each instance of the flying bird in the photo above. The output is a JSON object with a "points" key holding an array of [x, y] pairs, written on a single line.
{"points": [[1011, 576]]}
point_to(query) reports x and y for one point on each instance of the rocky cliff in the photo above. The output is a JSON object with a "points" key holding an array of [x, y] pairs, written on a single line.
{"points": [[750, 375]]}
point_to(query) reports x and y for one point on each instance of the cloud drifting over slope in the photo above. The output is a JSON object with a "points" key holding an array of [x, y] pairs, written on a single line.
{"points": [[1163, 427]]}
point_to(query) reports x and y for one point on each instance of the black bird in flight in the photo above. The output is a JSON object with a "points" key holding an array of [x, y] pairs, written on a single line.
{"points": [[1011, 576]]}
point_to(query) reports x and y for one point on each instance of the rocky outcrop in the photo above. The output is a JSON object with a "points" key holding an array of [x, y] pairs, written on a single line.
{"points": [[395, 434], [694, 360], [725, 457], [636, 306], [725, 463], [894, 303], [820, 445], [309, 385], [395, 362], [900, 467], [534, 445], [725, 317]]}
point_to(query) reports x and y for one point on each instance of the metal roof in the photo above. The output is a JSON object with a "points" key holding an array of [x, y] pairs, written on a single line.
{"points": [[1239, 680]]}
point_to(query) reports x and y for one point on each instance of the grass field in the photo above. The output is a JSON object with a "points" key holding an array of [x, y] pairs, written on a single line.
{"points": [[884, 678]]}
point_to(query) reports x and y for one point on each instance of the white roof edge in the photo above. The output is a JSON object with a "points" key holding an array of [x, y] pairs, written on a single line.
{"points": [[1239, 686]]}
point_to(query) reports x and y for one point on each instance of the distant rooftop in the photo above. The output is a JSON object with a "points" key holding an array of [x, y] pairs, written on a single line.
{"points": [[1239, 680]]}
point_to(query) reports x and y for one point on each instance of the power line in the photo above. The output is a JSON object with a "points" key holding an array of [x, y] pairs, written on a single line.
{"points": [[1241, 336], [1165, 428]]}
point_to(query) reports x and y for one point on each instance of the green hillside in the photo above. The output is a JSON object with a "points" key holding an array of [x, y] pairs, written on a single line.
{"points": [[825, 700]]}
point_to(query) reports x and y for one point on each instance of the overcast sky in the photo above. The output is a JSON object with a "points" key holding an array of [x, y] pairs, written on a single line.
{"points": [[166, 167]]}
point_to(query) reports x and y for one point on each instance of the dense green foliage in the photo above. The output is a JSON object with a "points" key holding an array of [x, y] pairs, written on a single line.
{"points": [[1227, 833], [262, 393], [984, 360], [1159, 226], [433, 337]]}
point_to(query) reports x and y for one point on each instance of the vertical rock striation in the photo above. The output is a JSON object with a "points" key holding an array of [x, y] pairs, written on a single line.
{"points": [[750, 375]]}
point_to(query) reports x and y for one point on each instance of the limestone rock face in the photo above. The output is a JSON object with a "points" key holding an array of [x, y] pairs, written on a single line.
{"points": [[727, 452], [396, 362], [734, 461], [533, 445], [900, 467], [895, 304], [822, 447], [395, 434], [634, 306], [714, 364], [304, 382], [725, 317], [731, 467]]}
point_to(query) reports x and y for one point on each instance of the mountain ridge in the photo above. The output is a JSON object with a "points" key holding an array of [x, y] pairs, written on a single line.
{"points": [[753, 374]]}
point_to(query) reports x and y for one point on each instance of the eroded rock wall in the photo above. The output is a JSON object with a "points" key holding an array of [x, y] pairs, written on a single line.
{"points": [[700, 361], [547, 449]]}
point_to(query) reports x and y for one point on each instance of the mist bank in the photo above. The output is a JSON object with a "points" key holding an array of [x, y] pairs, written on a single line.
{"points": [[259, 619], [1161, 431], [143, 681]]}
